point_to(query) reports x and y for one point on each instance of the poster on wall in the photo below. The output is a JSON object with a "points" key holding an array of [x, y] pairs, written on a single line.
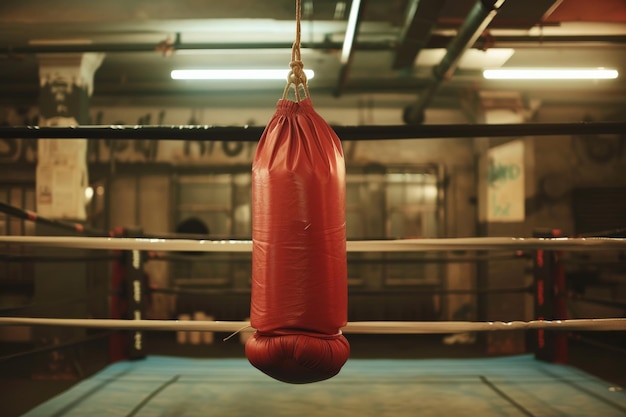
{"points": [[61, 175], [503, 179]]}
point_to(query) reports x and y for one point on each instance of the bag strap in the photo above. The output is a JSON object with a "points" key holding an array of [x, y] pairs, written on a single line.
{"points": [[297, 77]]}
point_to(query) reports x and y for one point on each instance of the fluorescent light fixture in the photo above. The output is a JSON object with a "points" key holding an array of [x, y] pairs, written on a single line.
{"points": [[60, 41], [550, 74], [472, 59], [235, 74], [350, 31]]}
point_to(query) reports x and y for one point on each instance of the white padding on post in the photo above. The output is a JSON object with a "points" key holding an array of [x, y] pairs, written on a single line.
{"points": [[181, 337], [205, 337]]}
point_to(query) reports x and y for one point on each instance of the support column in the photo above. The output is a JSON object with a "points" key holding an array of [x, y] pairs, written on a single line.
{"points": [[61, 180], [66, 84]]}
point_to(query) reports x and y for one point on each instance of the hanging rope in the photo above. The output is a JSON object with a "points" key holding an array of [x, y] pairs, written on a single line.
{"points": [[297, 77]]}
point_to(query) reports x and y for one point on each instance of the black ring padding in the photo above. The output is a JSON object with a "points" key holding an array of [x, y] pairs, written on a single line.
{"points": [[32, 216], [85, 230], [351, 291], [439, 260], [211, 257], [50, 348], [511, 290], [203, 291], [600, 301], [618, 232], [253, 133], [38, 306], [593, 263], [54, 259]]}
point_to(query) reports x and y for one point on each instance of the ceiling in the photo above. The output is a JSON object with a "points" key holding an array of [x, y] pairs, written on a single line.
{"points": [[398, 42]]}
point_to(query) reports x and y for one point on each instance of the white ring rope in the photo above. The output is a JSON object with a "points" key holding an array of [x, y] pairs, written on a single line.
{"points": [[369, 327], [400, 245]]}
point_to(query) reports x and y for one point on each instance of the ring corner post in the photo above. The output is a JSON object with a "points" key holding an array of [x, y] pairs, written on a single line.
{"points": [[136, 295], [549, 301], [128, 300]]}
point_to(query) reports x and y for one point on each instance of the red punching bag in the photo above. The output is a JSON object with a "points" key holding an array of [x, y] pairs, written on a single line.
{"points": [[299, 277]]}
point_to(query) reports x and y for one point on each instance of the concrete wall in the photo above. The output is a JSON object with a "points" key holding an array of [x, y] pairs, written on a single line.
{"points": [[564, 163]]}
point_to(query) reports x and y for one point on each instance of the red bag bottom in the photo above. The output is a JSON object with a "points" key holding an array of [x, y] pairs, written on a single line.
{"points": [[297, 358]]}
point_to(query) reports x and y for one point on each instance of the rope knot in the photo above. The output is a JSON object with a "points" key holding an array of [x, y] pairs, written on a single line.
{"points": [[297, 75]]}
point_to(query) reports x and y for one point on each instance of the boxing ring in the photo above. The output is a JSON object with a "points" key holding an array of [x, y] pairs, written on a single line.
{"points": [[143, 384], [139, 383], [140, 380]]}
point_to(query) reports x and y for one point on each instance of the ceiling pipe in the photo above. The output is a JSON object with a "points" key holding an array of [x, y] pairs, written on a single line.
{"points": [[476, 22], [327, 45], [421, 20], [347, 51]]}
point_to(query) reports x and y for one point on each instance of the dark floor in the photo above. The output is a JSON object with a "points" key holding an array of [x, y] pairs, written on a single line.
{"points": [[29, 381]]}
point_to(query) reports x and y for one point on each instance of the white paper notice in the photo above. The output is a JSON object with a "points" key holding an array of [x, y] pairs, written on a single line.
{"points": [[505, 183]]}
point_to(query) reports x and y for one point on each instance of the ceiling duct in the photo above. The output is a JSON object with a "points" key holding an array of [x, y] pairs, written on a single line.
{"points": [[421, 20], [476, 22]]}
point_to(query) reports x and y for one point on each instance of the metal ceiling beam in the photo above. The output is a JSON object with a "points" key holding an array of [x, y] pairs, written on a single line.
{"points": [[354, 22], [435, 41], [148, 10], [421, 20], [191, 46], [476, 22]]}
